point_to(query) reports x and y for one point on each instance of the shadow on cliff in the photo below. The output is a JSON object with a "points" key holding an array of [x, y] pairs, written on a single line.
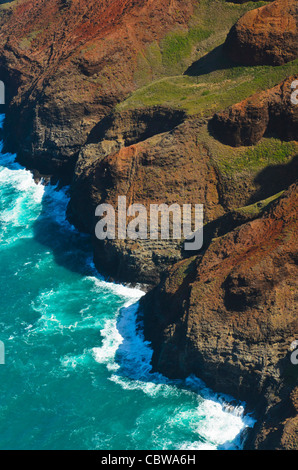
{"points": [[73, 249], [270, 181], [214, 60], [275, 178]]}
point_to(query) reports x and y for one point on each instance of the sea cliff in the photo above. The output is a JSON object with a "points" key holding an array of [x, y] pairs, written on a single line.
{"points": [[155, 101]]}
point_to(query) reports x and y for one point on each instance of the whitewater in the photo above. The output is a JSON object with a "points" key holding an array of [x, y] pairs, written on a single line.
{"points": [[77, 372]]}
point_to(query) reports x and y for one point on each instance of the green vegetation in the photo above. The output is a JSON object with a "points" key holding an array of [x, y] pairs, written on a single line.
{"points": [[182, 270], [188, 69], [254, 210], [8, 4], [210, 23], [210, 92], [176, 46], [268, 151]]}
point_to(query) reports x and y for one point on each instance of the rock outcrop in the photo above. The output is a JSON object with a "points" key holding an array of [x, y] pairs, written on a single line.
{"points": [[167, 168], [67, 63], [155, 156], [273, 111], [229, 316], [265, 36]]}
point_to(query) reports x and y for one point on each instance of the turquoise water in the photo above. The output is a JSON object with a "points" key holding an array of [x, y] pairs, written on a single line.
{"points": [[77, 374]]}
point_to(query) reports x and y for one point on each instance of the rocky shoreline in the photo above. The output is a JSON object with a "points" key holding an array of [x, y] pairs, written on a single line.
{"points": [[229, 316]]}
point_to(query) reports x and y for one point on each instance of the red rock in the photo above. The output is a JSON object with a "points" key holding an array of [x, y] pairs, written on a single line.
{"points": [[67, 63], [229, 316], [273, 111], [265, 36]]}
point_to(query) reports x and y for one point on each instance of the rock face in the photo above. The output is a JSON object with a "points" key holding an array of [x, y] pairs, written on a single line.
{"points": [[154, 156], [167, 168], [67, 63], [229, 316], [265, 36], [272, 111]]}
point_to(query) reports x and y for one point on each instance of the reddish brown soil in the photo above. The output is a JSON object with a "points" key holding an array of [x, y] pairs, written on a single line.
{"points": [[230, 316]]}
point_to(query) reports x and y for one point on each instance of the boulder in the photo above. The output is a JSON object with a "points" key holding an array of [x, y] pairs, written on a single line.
{"points": [[265, 36], [273, 111]]}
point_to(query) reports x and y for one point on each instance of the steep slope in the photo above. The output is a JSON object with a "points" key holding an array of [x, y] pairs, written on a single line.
{"points": [[67, 63], [229, 316], [169, 167]]}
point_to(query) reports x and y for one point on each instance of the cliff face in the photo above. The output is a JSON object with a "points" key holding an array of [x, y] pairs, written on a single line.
{"points": [[265, 36], [229, 316], [66, 63], [247, 122], [170, 167], [157, 155], [227, 313]]}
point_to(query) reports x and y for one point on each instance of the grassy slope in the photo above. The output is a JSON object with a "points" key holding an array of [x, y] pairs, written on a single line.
{"points": [[247, 161], [208, 93], [212, 83], [207, 29], [189, 71]]}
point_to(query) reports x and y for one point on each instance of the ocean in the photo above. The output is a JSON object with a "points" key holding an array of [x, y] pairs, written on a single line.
{"points": [[77, 369]]}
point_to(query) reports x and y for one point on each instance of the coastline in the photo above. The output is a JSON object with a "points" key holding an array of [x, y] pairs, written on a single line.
{"points": [[166, 102], [141, 380]]}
